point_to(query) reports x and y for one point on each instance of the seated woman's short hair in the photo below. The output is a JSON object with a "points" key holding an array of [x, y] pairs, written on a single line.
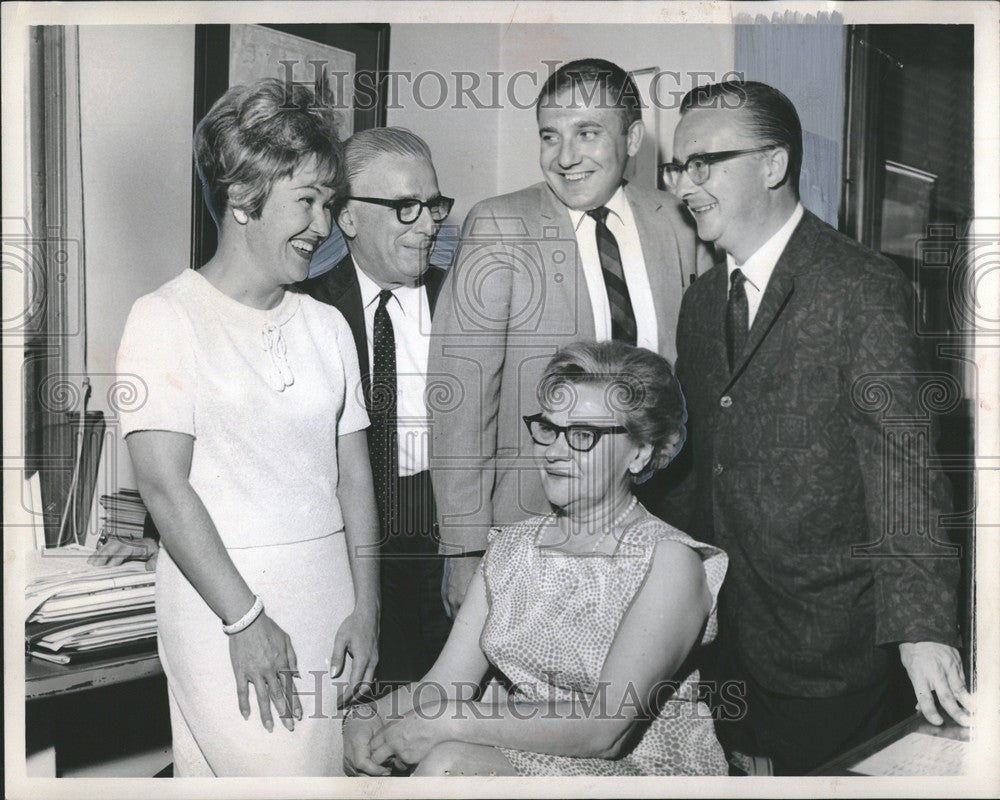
{"points": [[642, 391], [256, 134]]}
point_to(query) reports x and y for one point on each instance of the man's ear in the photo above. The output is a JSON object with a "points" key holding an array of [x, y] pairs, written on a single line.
{"points": [[777, 167], [345, 221], [634, 136]]}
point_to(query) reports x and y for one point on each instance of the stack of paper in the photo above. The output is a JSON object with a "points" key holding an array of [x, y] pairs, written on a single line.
{"points": [[76, 611], [918, 754], [124, 513]]}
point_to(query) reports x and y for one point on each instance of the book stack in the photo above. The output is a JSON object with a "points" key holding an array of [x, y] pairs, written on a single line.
{"points": [[78, 612], [124, 513]]}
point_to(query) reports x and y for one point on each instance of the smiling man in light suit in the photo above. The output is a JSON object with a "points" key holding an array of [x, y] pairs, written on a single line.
{"points": [[580, 256]]}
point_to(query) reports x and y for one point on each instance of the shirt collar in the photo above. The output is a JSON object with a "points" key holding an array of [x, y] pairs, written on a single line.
{"points": [[616, 205], [761, 264], [371, 290]]}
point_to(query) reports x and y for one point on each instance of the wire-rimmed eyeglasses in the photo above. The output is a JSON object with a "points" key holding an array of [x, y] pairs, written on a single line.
{"points": [[699, 166], [581, 438], [409, 209]]}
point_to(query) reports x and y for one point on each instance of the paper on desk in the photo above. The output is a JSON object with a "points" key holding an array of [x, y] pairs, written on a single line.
{"points": [[65, 572], [89, 635], [121, 602], [69, 559], [917, 754]]}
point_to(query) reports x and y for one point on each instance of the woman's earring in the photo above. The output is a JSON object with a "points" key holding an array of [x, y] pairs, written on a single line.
{"points": [[240, 216]]}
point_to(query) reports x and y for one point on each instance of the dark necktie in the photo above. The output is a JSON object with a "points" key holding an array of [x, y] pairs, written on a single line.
{"points": [[623, 326], [382, 410], [737, 317]]}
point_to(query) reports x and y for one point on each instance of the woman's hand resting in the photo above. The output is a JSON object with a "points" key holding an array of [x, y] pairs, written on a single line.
{"points": [[262, 655], [358, 734], [116, 550], [357, 635], [408, 740]]}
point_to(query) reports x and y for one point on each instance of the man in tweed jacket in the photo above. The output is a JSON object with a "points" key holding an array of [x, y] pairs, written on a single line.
{"points": [[795, 387]]}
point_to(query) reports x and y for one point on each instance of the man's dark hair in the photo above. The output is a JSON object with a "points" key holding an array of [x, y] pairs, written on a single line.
{"points": [[612, 87], [770, 115]]}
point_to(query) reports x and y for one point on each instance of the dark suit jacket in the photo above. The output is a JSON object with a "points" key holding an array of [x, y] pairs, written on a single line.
{"points": [[339, 287], [808, 450]]}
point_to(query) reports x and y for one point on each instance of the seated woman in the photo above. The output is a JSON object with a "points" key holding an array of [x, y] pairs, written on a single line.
{"points": [[591, 613]]}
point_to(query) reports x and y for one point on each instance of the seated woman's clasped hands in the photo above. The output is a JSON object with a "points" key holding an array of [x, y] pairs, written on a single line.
{"points": [[588, 614]]}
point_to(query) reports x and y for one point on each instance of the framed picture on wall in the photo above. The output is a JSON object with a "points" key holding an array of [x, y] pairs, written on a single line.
{"points": [[347, 60]]}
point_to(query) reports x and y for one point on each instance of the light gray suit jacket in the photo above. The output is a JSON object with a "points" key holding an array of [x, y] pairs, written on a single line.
{"points": [[514, 296]]}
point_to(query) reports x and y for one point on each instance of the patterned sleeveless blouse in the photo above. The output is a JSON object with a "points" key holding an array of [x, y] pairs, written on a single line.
{"points": [[552, 619]]}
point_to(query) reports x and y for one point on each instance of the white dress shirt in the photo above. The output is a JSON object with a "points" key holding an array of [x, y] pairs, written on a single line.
{"points": [[411, 326], [761, 264], [621, 223]]}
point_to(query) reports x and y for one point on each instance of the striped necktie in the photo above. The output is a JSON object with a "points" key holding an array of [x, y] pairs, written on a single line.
{"points": [[623, 327]]}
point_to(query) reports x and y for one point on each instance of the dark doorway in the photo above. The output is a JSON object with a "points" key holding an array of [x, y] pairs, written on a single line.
{"points": [[908, 192]]}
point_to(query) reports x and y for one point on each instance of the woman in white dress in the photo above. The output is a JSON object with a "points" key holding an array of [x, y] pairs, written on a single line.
{"points": [[247, 436]]}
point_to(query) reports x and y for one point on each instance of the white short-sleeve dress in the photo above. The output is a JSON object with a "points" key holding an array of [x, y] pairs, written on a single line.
{"points": [[264, 394]]}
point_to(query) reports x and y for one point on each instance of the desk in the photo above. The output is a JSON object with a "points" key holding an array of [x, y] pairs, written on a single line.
{"points": [[100, 719], [914, 724], [44, 679]]}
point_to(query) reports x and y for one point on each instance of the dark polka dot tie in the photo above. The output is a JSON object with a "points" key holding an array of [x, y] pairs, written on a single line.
{"points": [[623, 327], [382, 447]]}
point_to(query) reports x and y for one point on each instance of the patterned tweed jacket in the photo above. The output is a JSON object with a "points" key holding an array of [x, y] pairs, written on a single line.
{"points": [[810, 468]]}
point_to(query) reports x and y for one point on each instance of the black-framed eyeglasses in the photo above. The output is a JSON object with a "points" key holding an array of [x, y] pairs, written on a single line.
{"points": [[409, 209], [699, 166], [581, 438]]}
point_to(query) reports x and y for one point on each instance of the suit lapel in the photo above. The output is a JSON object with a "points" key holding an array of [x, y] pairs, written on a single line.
{"points": [[432, 283], [663, 269], [795, 258], [340, 288], [715, 319], [573, 295], [345, 294]]}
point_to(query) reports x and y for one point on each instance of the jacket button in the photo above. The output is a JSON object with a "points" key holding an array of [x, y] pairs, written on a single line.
{"points": [[717, 470], [726, 401]]}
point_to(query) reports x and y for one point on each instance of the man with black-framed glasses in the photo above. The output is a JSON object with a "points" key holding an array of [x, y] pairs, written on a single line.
{"points": [[387, 290], [698, 167], [802, 373]]}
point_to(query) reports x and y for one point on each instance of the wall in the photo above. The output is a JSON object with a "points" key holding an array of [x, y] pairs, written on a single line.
{"points": [[136, 93], [684, 49], [806, 62], [464, 139]]}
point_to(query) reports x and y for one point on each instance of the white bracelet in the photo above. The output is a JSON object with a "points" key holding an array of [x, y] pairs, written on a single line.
{"points": [[247, 619]]}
